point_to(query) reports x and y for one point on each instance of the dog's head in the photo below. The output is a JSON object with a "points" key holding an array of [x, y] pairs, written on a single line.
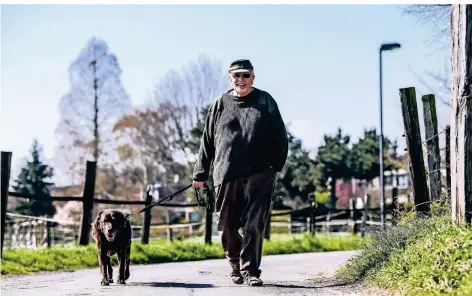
{"points": [[110, 222]]}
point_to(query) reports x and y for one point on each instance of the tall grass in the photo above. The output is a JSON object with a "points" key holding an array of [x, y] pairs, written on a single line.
{"points": [[421, 256]]}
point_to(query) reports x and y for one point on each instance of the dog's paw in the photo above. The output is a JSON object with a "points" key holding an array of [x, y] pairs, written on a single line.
{"points": [[110, 280], [121, 282], [104, 282]]}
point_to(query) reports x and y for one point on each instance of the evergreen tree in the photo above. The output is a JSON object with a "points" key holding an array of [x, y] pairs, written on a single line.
{"points": [[32, 181], [298, 176], [364, 158], [332, 161]]}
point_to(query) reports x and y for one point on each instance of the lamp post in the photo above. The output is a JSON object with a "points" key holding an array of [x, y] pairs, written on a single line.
{"points": [[383, 47]]}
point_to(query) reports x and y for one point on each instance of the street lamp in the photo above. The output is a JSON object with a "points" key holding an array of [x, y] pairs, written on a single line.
{"points": [[383, 47]]}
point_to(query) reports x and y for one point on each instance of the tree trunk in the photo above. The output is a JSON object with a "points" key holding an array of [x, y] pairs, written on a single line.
{"points": [[461, 122], [333, 192], [95, 115]]}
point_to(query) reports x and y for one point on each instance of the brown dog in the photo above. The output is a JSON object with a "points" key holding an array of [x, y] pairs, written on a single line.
{"points": [[112, 233]]}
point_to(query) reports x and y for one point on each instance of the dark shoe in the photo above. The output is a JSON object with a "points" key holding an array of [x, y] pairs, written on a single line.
{"points": [[253, 281], [236, 277]]}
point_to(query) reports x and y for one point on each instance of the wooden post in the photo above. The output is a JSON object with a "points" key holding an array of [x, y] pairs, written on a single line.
{"points": [[289, 224], [448, 161], [432, 142], [147, 217], [415, 151], [394, 205], [208, 226], [170, 231], [313, 214], [461, 123], [209, 209], [352, 214], [48, 234], [6, 167], [364, 216], [87, 203]]}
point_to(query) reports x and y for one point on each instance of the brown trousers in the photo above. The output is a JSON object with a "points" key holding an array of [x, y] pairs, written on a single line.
{"points": [[246, 204]]}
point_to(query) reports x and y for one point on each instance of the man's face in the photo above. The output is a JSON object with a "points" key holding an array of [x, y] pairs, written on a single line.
{"points": [[242, 82]]}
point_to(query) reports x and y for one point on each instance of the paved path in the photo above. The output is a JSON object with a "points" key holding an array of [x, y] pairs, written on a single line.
{"points": [[298, 274]]}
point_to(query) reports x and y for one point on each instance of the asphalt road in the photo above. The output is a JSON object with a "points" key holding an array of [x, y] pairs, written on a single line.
{"points": [[298, 274]]}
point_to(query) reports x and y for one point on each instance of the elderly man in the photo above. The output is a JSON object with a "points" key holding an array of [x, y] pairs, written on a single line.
{"points": [[245, 138]]}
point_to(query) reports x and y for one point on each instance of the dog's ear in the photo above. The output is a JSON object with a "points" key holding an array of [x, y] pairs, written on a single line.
{"points": [[96, 227], [96, 223]]}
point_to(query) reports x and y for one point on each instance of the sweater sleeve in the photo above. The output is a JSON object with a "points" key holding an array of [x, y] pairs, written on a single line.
{"points": [[207, 148], [278, 137]]}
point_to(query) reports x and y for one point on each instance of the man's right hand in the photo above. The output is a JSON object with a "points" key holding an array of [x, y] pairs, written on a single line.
{"points": [[198, 184]]}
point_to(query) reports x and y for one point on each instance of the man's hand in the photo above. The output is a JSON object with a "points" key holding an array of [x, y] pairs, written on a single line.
{"points": [[198, 184]]}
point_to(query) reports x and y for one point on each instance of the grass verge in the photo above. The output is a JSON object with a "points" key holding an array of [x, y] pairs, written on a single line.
{"points": [[75, 257], [421, 256]]}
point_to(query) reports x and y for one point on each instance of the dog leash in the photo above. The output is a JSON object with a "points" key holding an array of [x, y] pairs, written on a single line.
{"points": [[209, 204]]}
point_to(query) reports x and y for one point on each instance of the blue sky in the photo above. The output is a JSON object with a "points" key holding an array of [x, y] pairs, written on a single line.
{"points": [[319, 62]]}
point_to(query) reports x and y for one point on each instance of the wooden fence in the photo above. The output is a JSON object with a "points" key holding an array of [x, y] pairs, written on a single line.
{"points": [[88, 200], [355, 219], [418, 150], [39, 231]]}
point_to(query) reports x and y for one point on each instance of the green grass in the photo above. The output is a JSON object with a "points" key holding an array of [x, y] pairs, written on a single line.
{"points": [[75, 257], [427, 256]]}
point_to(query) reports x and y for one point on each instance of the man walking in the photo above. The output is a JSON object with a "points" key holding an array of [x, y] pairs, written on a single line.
{"points": [[245, 138]]}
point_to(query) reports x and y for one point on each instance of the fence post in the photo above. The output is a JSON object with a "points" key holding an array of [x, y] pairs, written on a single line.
{"points": [[48, 234], [312, 201], [394, 205], [432, 142], [87, 203], [448, 160], [6, 167], [365, 212], [352, 214], [208, 225], [289, 224], [147, 217], [415, 151], [170, 231]]}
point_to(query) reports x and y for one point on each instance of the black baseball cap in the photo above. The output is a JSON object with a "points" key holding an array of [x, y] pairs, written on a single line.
{"points": [[240, 66]]}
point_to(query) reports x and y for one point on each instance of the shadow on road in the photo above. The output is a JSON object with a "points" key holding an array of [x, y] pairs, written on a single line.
{"points": [[171, 285], [308, 285]]}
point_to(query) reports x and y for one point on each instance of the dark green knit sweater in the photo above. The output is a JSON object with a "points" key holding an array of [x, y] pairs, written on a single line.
{"points": [[242, 136]]}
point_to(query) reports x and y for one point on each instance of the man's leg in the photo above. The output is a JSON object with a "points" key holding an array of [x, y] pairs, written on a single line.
{"points": [[258, 191], [229, 206], [232, 242]]}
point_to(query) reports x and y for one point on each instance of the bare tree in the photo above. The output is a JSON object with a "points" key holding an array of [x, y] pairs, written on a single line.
{"points": [[440, 84], [438, 18], [435, 16], [188, 92], [94, 101], [147, 140]]}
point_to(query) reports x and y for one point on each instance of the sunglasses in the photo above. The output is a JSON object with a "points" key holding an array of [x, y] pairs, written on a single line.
{"points": [[244, 75]]}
